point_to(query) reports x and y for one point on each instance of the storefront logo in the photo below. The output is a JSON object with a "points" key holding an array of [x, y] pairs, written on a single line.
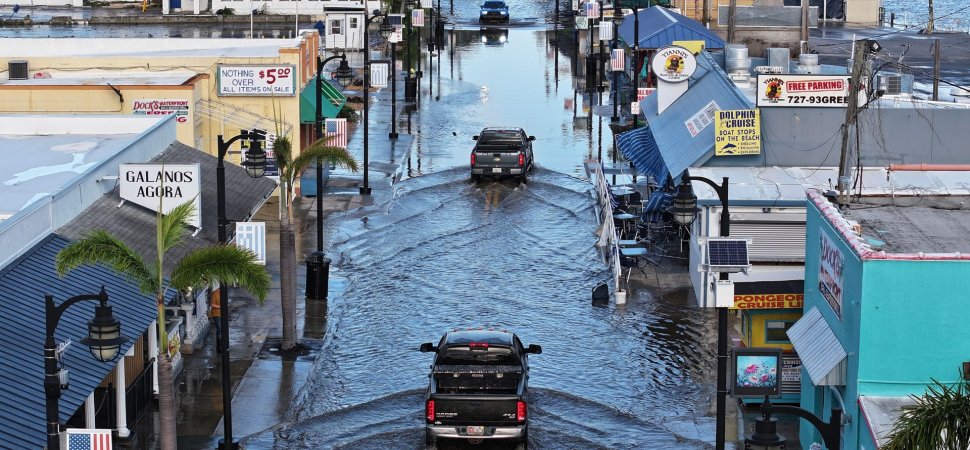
{"points": [[830, 272], [674, 64], [769, 301]]}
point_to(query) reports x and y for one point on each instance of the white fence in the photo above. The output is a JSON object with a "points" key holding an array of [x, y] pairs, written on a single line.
{"points": [[608, 240]]}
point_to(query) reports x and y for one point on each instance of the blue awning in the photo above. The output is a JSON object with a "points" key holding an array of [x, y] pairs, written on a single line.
{"points": [[660, 27], [640, 148], [23, 285]]}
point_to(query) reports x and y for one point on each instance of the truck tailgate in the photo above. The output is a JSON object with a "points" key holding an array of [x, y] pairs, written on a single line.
{"points": [[497, 158], [475, 409]]}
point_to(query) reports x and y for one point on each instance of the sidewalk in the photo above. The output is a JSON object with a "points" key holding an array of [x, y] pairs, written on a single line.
{"points": [[265, 386]]}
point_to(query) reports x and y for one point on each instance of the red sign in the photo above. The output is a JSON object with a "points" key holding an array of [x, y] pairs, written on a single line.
{"points": [[769, 301]]}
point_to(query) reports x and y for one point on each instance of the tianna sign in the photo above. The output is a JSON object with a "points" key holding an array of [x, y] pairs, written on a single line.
{"points": [[170, 185], [769, 301], [673, 64]]}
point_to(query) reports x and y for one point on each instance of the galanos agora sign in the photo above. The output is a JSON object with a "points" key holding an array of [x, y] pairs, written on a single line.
{"points": [[170, 185]]}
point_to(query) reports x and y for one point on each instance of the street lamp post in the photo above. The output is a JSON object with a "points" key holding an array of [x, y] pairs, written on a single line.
{"points": [[255, 164], [636, 59], [344, 76], [766, 437], [617, 19], [393, 71], [104, 338], [385, 31], [409, 88], [684, 210]]}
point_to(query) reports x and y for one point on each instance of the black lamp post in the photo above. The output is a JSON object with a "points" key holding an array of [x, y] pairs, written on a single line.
{"points": [[684, 210], [617, 20], [344, 76], [104, 338], [636, 59], [255, 164], [385, 31], [393, 72], [409, 82], [766, 437]]}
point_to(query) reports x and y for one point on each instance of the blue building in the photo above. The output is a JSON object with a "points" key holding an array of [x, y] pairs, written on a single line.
{"points": [[885, 309]]}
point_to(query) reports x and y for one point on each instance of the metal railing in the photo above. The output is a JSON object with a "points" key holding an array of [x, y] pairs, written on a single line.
{"points": [[608, 239]]}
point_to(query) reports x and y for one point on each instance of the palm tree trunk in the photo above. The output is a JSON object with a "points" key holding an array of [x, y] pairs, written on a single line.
{"points": [[287, 274], [166, 401]]}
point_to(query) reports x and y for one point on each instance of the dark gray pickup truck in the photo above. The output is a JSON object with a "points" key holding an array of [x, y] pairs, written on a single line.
{"points": [[478, 387], [502, 152]]}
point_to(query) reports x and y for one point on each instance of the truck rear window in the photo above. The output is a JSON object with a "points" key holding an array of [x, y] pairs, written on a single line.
{"points": [[464, 355], [493, 5]]}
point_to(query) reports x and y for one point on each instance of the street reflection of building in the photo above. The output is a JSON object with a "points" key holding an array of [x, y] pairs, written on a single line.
{"points": [[885, 306], [212, 86]]}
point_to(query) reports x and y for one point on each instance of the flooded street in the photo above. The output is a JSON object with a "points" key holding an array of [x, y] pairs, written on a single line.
{"points": [[444, 253]]}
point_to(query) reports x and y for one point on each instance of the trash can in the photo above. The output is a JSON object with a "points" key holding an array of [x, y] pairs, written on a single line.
{"points": [[410, 88], [317, 276]]}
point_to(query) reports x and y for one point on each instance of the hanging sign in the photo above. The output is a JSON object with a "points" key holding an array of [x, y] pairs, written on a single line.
{"points": [[378, 74], [642, 93], [737, 132], [673, 64], [830, 272], [252, 236], [826, 91], [617, 60], [703, 119], [426, 4], [174, 184], [396, 36], [606, 31], [417, 18], [634, 108], [592, 10], [582, 22], [276, 80]]}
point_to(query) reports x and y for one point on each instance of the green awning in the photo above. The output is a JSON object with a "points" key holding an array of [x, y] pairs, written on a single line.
{"points": [[333, 101]]}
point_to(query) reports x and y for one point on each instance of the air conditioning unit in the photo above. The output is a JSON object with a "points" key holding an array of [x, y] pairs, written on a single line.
{"points": [[891, 84], [17, 69]]}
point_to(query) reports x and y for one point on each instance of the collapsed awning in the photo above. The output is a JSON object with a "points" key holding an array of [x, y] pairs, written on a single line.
{"points": [[640, 148], [881, 413], [821, 352], [333, 101]]}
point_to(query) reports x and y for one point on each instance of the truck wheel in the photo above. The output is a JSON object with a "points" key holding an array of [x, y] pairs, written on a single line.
{"points": [[476, 179], [523, 179], [429, 441]]}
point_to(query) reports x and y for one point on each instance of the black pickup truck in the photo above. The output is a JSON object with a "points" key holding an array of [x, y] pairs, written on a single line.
{"points": [[501, 152], [478, 387]]}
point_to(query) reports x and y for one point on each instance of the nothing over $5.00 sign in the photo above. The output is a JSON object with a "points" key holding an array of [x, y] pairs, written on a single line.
{"points": [[278, 80]]}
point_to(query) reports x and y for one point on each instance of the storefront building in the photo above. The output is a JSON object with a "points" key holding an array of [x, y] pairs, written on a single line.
{"points": [[885, 308]]}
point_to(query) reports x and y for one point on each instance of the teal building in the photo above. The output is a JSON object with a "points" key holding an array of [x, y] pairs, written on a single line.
{"points": [[886, 309]]}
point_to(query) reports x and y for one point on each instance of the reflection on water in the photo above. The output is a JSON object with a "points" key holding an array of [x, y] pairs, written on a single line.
{"points": [[449, 254]]}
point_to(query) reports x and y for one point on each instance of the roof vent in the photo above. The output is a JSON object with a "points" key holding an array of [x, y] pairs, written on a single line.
{"points": [[891, 84], [779, 57], [17, 69], [808, 63]]}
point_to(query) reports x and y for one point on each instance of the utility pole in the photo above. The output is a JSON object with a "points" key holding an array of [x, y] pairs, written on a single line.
{"points": [[805, 10], [936, 69], [732, 10], [705, 14], [929, 23], [858, 62]]}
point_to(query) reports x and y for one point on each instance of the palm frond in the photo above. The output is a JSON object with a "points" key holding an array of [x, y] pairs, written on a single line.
{"points": [[225, 264], [320, 153], [99, 246], [939, 420], [283, 152], [172, 226]]}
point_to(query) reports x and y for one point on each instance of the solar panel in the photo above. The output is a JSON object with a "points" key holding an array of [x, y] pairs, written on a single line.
{"points": [[727, 253]]}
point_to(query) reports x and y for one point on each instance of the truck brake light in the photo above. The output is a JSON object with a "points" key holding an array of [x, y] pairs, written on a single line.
{"points": [[478, 345], [520, 411], [521, 159], [429, 411], [473, 157]]}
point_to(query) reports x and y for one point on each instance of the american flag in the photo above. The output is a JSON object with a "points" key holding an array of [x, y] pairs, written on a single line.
{"points": [[378, 74], [592, 10], [338, 129], [617, 60], [606, 31], [88, 439], [417, 18]]}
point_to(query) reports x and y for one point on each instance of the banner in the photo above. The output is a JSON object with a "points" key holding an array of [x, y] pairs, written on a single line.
{"points": [[826, 91], [592, 10], [737, 132], [277, 80], [617, 60], [88, 439], [417, 18], [642, 93], [426, 4], [378, 74], [252, 236], [606, 31], [338, 129], [582, 23]]}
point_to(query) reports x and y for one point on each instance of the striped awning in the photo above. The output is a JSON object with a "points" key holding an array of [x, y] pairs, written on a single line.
{"points": [[819, 348], [640, 148]]}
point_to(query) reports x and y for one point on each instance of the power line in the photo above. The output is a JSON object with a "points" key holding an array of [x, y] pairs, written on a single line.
{"points": [[890, 33]]}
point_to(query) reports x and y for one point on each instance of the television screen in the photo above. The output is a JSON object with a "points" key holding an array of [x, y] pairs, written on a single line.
{"points": [[757, 372]]}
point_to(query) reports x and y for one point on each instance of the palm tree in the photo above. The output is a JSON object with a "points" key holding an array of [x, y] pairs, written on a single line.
{"points": [[223, 264], [940, 420], [320, 153]]}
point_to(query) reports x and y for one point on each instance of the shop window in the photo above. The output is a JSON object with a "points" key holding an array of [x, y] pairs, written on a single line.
{"points": [[336, 27], [776, 331]]}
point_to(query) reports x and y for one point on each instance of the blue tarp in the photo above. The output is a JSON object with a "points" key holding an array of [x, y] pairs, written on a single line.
{"points": [[660, 27], [23, 285], [640, 148]]}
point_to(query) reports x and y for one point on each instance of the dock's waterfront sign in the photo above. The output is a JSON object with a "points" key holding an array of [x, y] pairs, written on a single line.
{"points": [[828, 91], [144, 184], [278, 80]]}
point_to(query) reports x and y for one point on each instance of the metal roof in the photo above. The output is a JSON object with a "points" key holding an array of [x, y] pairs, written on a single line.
{"points": [[678, 147], [639, 147], [660, 27], [135, 225], [23, 285], [816, 344], [881, 414]]}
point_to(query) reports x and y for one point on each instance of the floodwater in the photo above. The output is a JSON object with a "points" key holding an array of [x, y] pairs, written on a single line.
{"points": [[444, 253]]}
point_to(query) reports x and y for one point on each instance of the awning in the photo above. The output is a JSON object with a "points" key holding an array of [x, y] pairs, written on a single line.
{"points": [[333, 101], [23, 285], [881, 413], [820, 351], [640, 148]]}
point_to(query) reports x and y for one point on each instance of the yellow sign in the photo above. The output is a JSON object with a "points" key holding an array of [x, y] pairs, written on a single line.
{"points": [[737, 132], [695, 47], [769, 301]]}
